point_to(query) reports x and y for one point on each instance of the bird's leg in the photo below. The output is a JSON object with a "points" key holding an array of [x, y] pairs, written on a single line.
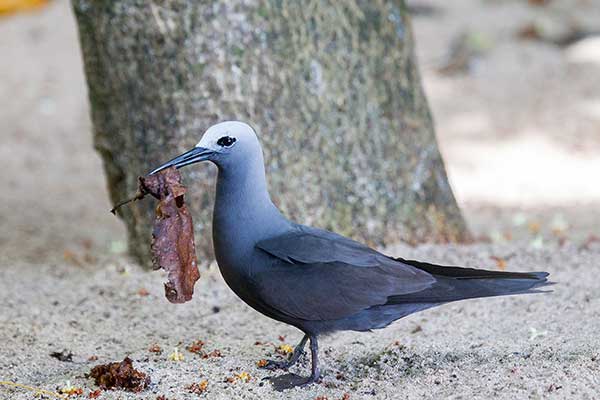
{"points": [[315, 372], [298, 350]]}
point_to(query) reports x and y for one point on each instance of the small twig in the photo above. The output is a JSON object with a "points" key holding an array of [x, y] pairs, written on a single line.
{"points": [[33, 389], [138, 196]]}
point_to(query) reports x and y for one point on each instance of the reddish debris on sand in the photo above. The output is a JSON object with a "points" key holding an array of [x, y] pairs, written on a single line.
{"points": [[155, 349], [197, 388], [262, 363], [120, 375], [95, 394], [196, 347], [214, 353]]}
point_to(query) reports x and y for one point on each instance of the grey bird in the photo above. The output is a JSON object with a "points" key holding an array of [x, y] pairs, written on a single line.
{"points": [[316, 280]]}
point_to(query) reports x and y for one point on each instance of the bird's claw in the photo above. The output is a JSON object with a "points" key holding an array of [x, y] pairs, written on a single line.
{"points": [[310, 380], [272, 365]]}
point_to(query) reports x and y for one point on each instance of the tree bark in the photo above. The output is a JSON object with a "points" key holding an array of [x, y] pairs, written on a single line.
{"points": [[332, 89]]}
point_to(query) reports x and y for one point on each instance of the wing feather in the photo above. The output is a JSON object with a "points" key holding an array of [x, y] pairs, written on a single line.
{"points": [[319, 275]]}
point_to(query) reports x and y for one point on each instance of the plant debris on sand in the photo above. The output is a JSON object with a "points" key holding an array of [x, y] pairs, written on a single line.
{"points": [[120, 375]]}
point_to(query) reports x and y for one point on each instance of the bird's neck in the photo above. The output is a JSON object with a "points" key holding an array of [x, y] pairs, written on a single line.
{"points": [[243, 208]]}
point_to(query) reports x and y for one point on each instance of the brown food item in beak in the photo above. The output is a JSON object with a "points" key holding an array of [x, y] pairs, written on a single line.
{"points": [[173, 247]]}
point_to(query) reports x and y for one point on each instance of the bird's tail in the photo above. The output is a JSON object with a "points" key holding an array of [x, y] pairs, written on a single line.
{"points": [[456, 283]]}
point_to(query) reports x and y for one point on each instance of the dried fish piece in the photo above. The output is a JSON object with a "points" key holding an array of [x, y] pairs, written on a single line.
{"points": [[173, 247]]}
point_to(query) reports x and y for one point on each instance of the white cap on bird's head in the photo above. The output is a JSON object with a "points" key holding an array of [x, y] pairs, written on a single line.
{"points": [[224, 143]]}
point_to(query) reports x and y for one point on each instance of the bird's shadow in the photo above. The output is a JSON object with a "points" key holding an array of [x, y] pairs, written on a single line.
{"points": [[286, 381]]}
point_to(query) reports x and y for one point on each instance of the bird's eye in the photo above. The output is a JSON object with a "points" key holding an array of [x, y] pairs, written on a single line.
{"points": [[226, 141]]}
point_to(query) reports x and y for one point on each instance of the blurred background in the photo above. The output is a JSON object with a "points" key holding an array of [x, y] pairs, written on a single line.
{"points": [[513, 86]]}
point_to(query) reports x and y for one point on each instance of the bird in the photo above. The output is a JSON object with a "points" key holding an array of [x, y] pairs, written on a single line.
{"points": [[316, 280]]}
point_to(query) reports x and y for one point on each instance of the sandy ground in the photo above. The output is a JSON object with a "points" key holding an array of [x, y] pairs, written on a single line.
{"points": [[522, 154], [536, 346]]}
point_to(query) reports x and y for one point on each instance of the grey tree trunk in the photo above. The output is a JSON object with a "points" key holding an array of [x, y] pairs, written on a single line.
{"points": [[331, 87]]}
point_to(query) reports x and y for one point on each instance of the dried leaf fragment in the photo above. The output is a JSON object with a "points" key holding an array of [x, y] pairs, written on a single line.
{"points": [[196, 347], [173, 247], [212, 354], [262, 363], [197, 388], [71, 390], [120, 375], [243, 376], [155, 348], [285, 349]]}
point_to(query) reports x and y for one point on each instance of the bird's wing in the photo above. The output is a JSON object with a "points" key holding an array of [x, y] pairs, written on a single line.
{"points": [[319, 275], [306, 245]]}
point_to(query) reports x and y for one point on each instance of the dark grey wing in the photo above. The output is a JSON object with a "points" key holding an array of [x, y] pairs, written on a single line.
{"points": [[319, 275], [307, 245]]}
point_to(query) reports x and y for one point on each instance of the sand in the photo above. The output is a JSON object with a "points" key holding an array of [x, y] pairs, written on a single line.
{"points": [[66, 284]]}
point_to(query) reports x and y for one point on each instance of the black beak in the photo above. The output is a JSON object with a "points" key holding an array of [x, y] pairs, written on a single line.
{"points": [[195, 155]]}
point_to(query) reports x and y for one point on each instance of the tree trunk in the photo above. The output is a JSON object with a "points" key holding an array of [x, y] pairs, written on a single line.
{"points": [[332, 89]]}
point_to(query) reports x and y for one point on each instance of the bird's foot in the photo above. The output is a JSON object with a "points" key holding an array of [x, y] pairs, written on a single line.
{"points": [[314, 378], [276, 364], [273, 365]]}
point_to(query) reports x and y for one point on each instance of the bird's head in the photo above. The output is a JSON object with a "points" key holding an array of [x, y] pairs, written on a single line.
{"points": [[225, 143]]}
